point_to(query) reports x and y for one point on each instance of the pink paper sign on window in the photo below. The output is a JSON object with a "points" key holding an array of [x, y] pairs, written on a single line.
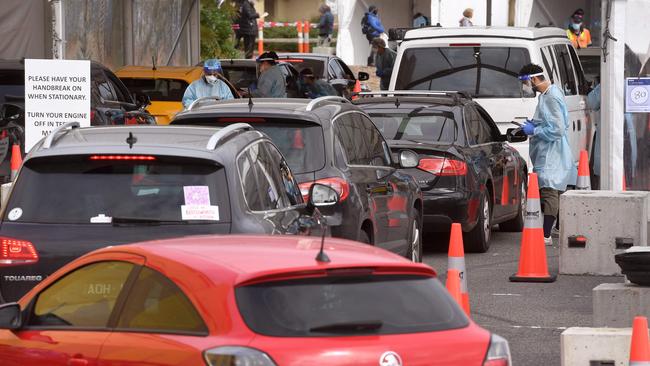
{"points": [[197, 195]]}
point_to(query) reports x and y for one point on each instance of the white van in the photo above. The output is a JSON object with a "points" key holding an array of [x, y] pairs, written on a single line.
{"points": [[485, 62]]}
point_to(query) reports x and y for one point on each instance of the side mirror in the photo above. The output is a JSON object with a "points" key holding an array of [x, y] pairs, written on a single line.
{"points": [[408, 159], [10, 316], [142, 100], [321, 195], [515, 135], [363, 76]]}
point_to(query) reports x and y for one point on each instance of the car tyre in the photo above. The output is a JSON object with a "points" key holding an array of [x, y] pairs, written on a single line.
{"points": [[414, 252], [517, 224], [478, 239]]}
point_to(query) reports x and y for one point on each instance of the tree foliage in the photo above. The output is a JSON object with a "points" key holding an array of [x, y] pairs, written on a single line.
{"points": [[216, 30]]}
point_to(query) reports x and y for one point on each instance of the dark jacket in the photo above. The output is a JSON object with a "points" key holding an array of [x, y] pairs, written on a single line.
{"points": [[326, 24], [247, 18]]}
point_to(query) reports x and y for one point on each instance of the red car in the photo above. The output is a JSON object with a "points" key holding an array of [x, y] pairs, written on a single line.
{"points": [[243, 300]]}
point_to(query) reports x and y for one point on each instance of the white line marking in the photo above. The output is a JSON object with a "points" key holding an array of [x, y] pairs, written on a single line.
{"points": [[508, 294]]}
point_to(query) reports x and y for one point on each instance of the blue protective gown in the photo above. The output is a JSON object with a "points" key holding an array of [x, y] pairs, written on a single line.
{"points": [[201, 88], [550, 151]]}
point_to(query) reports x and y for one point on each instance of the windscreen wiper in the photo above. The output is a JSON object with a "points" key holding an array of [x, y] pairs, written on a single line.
{"points": [[349, 327], [135, 221]]}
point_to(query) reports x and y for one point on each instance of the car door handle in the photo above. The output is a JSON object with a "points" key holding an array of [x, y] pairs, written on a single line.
{"points": [[77, 361], [582, 104]]}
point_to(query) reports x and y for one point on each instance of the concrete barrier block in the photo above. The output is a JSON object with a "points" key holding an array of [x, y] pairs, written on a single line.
{"points": [[601, 217], [616, 304], [581, 346]]}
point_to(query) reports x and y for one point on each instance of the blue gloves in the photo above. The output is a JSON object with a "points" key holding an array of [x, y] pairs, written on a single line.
{"points": [[528, 128], [379, 73]]}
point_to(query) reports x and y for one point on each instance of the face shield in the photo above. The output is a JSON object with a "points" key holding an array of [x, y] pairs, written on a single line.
{"points": [[527, 87]]}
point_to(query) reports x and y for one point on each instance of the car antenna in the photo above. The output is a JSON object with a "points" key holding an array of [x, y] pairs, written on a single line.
{"points": [[131, 140], [322, 256], [250, 103], [396, 102], [153, 62]]}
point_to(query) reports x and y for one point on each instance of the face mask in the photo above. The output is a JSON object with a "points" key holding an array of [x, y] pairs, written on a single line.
{"points": [[576, 26], [528, 90], [211, 79]]}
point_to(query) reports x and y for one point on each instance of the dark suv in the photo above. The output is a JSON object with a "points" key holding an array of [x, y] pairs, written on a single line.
{"points": [[330, 141], [81, 189]]}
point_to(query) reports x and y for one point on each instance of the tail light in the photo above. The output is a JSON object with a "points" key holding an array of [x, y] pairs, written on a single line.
{"points": [[16, 252], [235, 356], [340, 185], [443, 166], [499, 352]]}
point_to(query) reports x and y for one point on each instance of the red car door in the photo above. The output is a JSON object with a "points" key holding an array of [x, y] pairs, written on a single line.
{"points": [[158, 325], [68, 320]]}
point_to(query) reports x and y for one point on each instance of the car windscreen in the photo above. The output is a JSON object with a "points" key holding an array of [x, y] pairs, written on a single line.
{"points": [[430, 126], [95, 189], [483, 72], [349, 305], [12, 83], [158, 90], [240, 76]]}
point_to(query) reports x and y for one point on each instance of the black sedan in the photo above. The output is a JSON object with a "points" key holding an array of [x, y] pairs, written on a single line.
{"points": [[468, 173]]}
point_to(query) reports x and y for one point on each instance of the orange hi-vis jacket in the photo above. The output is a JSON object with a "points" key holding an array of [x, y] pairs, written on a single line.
{"points": [[580, 41]]}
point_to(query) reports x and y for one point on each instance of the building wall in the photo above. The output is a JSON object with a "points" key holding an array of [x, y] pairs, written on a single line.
{"points": [[292, 10], [449, 12]]}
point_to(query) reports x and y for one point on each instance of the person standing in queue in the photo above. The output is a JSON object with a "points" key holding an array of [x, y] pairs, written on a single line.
{"points": [[271, 82], [247, 25], [372, 28], [466, 20], [550, 152], [384, 62], [208, 85]]}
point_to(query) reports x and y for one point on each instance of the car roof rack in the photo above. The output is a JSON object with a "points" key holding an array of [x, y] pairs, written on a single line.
{"points": [[226, 131], [51, 138], [418, 93], [329, 98], [200, 100]]}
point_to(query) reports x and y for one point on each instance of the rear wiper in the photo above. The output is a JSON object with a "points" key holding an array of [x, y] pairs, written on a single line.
{"points": [[349, 327], [126, 221]]}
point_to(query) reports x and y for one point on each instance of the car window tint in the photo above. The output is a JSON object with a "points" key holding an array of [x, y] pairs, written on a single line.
{"points": [[335, 70], [348, 74], [101, 84], [577, 67], [361, 141], [427, 126], [86, 189], [489, 127], [483, 72], [158, 90], [566, 69], [120, 92], [12, 83], [291, 190], [260, 180], [83, 298], [478, 131], [320, 307], [549, 65], [156, 303]]}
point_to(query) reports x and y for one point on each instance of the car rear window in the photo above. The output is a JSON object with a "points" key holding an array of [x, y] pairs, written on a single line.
{"points": [[438, 127], [240, 76], [483, 72], [346, 305], [158, 90], [79, 190]]}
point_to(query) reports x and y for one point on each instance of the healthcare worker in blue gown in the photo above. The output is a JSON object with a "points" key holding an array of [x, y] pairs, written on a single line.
{"points": [[208, 85], [550, 151]]}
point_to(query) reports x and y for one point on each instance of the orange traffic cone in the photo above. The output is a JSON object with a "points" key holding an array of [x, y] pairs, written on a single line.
{"points": [[584, 182], [505, 191], [356, 90], [639, 347], [456, 262], [532, 258], [16, 160], [624, 183], [453, 285]]}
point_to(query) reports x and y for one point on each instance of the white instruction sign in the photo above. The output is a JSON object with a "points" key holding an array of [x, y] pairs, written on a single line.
{"points": [[202, 212], [637, 95], [56, 92]]}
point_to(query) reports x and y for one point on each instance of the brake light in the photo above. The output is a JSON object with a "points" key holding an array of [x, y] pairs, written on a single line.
{"points": [[498, 353], [240, 120], [464, 45], [443, 166], [15, 252], [123, 157], [340, 185], [292, 60]]}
